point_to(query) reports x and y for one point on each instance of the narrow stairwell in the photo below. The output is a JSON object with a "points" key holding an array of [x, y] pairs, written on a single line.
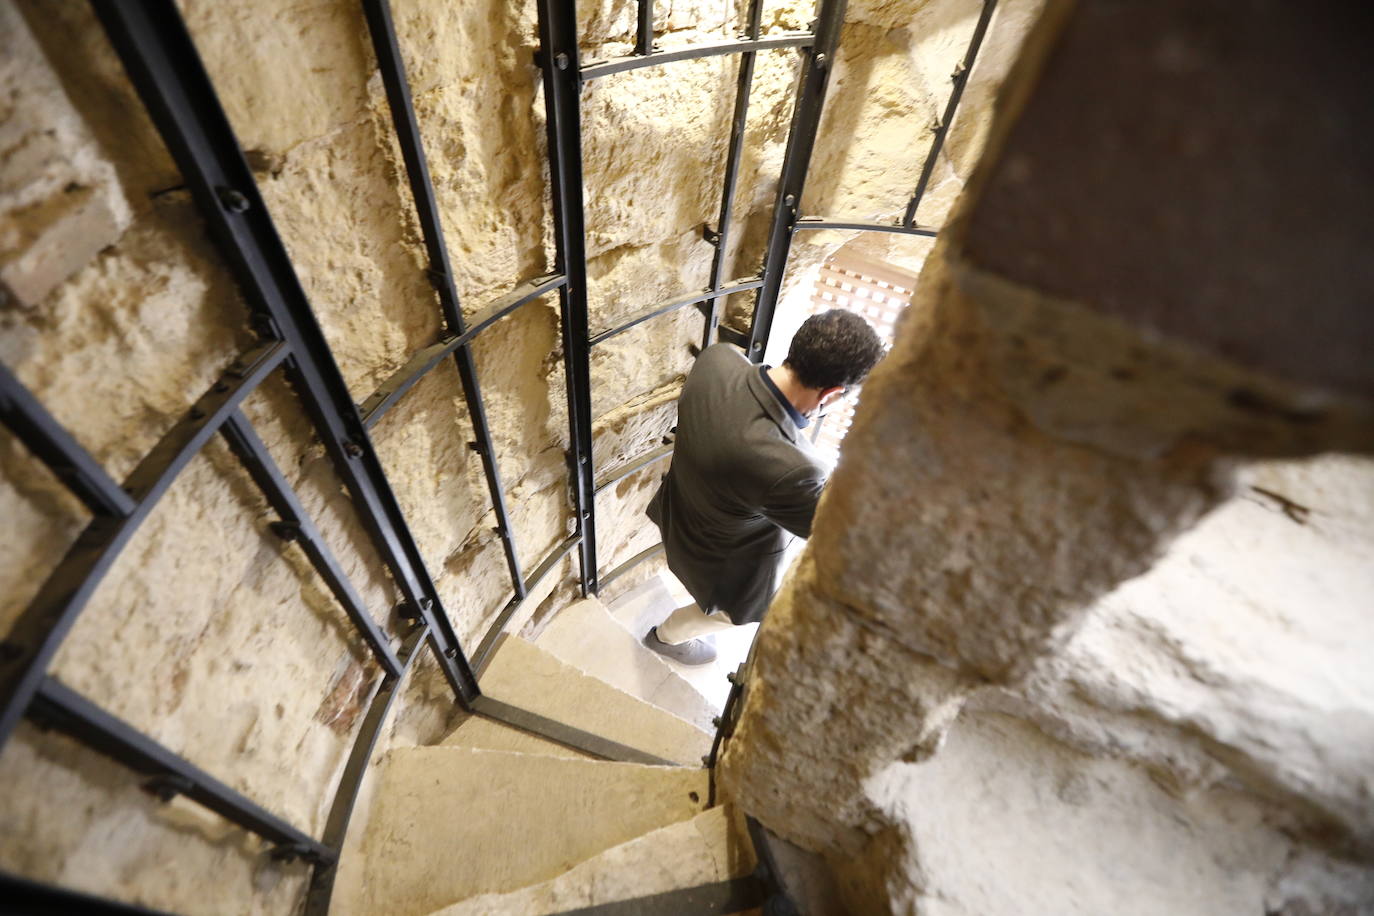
{"points": [[497, 820]]}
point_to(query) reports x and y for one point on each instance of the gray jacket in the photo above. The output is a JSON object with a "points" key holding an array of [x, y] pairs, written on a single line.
{"points": [[742, 476]]}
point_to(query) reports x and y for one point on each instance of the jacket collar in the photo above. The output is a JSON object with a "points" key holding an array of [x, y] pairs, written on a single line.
{"points": [[770, 404]]}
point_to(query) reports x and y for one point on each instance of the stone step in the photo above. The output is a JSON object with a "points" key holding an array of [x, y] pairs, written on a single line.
{"points": [[526, 676], [452, 823], [711, 847], [586, 636]]}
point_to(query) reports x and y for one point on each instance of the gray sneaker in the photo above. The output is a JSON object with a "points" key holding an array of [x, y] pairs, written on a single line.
{"points": [[691, 652]]}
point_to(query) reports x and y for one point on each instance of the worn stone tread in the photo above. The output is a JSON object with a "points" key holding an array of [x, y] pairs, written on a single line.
{"points": [[526, 676], [711, 847], [451, 823]]}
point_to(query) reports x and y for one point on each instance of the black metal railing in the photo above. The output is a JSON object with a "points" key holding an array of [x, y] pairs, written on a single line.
{"points": [[165, 69]]}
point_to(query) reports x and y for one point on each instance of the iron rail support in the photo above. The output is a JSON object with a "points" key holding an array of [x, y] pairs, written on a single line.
{"points": [[961, 76], [59, 450], [644, 28], [392, 65], [296, 525], [801, 140], [559, 61]]}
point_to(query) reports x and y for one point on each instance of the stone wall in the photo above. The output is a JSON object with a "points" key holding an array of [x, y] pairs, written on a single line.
{"points": [[1083, 625], [210, 634]]}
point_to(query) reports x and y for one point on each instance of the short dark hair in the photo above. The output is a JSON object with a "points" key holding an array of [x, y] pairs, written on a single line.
{"points": [[835, 349]]}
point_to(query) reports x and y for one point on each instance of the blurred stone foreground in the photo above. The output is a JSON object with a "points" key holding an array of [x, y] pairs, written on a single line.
{"points": [[1085, 626]]}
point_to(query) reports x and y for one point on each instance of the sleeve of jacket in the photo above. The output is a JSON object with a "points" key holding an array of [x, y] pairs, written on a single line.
{"points": [[791, 500]]}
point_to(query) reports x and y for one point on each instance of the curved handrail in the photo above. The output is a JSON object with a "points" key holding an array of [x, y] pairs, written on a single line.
{"points": [[646, 554], [735, 286], [863, 225], [601, 68], [634, 466], [427, 358]]}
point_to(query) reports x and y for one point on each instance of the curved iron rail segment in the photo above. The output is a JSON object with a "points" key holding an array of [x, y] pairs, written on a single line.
{"points": [[863, 225], [36, 635], [960, 76], [598, 69], [736, 286], [346, 795], [58, 449], [631, 563], [57, 706], [638, 464], [425, 360]]}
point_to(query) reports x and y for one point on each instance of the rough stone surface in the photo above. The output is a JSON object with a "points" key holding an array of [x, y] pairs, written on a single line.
{"points": [[709, 848], [1059, 643], [60, 200], [1106, 837], [524, 675], [451, 823]]}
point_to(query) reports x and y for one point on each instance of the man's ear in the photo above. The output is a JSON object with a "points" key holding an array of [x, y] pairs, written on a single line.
{"points": [[829, 394]]}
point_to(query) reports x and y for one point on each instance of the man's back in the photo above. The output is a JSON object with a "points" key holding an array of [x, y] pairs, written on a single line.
{"points": [[741, 474]]}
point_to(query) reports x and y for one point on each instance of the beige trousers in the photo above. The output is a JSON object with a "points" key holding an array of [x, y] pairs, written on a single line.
{"points": [[688, 622]]}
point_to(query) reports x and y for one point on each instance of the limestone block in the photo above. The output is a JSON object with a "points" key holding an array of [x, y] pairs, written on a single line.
{"points": [[654, 151], [137, 334], [1197, 251], [586, 636], [346, 224], [1241, 656], [269, 64], [60, 199], [709, 848], [451, 823], [97, 87], [526, 676], [809, 790], [1105, 836], [635, 429], [70, 817], [1002, 506], [492, 202]]}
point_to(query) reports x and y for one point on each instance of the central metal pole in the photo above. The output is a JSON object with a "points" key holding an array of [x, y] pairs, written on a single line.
{"points": [[801, 140], [558, 59], [732, 161]]}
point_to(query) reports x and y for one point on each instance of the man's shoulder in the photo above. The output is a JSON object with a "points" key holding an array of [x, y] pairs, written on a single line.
{"points": [[722, 356]]}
